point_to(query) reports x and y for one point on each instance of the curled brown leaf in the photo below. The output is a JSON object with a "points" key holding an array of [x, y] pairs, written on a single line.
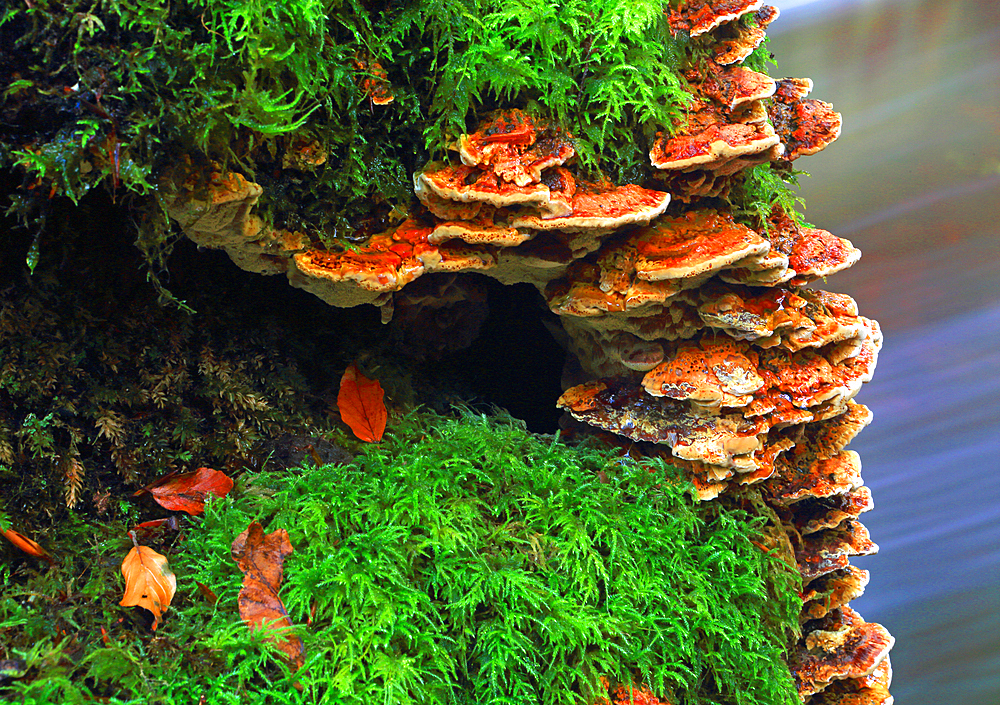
{"points": [[261, 558]]}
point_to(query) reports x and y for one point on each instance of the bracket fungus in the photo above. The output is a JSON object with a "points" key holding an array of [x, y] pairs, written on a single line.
{"points": [[804, 126], [711, 137], [838, 647], [516, 147], [872, 689], [686, 310], [735, 86], [600, 207], [373, 79], [832, 591], [697, 17], [823, 552], [737, 40]]}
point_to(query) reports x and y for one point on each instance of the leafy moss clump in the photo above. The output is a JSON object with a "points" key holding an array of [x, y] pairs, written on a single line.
{"points": [[763, 188], [464, 560], [119, 92], [139, 95]]}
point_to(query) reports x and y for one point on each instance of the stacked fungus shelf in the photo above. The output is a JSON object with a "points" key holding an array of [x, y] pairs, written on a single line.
{"points": [[698, 335]]}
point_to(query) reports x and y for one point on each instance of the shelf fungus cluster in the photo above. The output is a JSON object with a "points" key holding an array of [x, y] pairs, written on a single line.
{"points": [[694, 332]]}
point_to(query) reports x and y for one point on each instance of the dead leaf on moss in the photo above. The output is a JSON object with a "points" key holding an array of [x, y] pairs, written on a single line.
{"points": [[261, 557], [187, 492], [207, 592], [361, 404], [166, 524], [27, 545], [149, 582]]}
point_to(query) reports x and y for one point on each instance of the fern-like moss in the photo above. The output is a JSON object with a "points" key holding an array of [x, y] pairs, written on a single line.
{"points": [[762, 188], [608, 71], [471, 562], [117, 93]]}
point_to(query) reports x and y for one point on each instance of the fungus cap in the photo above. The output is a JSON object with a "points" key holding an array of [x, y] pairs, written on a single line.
{"points": [[710, 138], [718, 372], [373, 79], [601, 207], [480, 231], [872, 689], [833, 590], [635, 353], [695, 243], [830, 549], [814, 515], [458, 182], [804, 126], [696, 17], [736, 42], [849, 649], [441, 207], [623, 408], [794, 319], [733, 86], [516, 147], [805, 475]]}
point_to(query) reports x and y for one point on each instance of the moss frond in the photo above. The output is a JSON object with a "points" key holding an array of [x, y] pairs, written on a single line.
{"points": [[467, 559], [763, 187], [116, 94]]}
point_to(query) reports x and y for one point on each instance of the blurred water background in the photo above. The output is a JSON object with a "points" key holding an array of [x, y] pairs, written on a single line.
{"points": [[914, 181]]}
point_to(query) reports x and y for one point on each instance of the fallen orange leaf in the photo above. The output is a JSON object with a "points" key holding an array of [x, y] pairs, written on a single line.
{"points": [[27, 545], [261, 557], [187, 492], [169, 522], [149, 583], [362, 406]]}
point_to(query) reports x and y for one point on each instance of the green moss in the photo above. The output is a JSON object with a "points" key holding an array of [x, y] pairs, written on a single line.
{"points": [[121, 93], [763, 187], [116, 92], [461, 560], [607, 71]]}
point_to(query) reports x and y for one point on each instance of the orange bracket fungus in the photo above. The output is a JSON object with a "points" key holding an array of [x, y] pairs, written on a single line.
{"points": [[736, 41], [696, 17], [693, 331]]}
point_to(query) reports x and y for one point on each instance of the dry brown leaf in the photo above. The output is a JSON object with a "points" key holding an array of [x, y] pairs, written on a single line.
{"points": [[261, 557], [207, 592], [149, 582]]}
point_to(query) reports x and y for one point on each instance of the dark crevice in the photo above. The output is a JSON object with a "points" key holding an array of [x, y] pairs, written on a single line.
{"points": [[514, 363]]}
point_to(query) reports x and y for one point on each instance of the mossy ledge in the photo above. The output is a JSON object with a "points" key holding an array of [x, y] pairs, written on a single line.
{"points": [[461, 560], [134, 94], [574, 548], [510, 567]]}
